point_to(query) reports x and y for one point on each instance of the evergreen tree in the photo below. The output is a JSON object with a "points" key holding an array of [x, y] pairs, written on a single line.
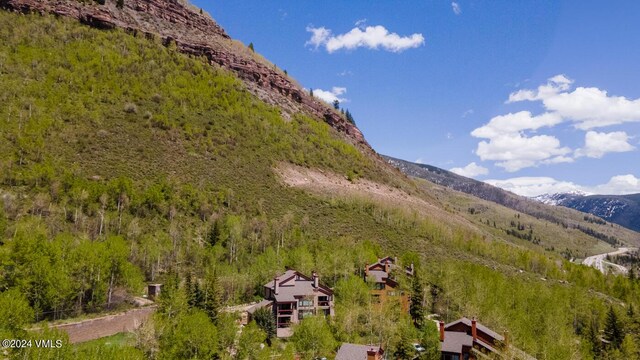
{"points": [[336, 104], [403, 349], [215, 233], [311, 92], [416, 308], [210, 297], [593, 339], [265, 320], [349, 117], [120, 4], [613, 329], [251, 47]]}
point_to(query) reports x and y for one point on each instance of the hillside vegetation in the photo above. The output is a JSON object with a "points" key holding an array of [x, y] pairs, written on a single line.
{"points": [[123, 161]]}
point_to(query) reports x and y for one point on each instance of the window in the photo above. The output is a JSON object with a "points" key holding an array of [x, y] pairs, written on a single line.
{"points": [[391, 293], [305, 302], [450, 357], [378, 286]]}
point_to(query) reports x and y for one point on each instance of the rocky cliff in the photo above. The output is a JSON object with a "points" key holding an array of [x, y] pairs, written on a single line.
{"points": [[195, 34]]}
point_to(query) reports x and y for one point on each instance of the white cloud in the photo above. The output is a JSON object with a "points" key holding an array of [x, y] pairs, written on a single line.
{"points": [[534, 186], [360, 23], [472, 170], [345, 73], [512, 148], [456, 8], [332, 95], [372, 37], [587, 107], [514, 123], [554, 86], [419, 161], [597, 144], [467, 113], [511, 141], [318, 36], [515, 151]]}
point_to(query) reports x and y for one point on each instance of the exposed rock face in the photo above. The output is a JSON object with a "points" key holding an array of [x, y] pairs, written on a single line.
{"points": [[195, 34]]}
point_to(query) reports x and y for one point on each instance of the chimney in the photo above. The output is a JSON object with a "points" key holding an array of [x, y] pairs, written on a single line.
{"points": [[441, 330], [474, 332], [275, 285], [315, 279], [386, 266], [372, 354]]}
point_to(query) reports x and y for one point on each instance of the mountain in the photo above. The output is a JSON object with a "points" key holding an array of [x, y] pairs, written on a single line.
{"points": [[537, 209], [140, 144], [623, 210]]}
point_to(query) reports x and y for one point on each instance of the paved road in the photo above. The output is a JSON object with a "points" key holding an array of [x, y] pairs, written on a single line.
{"points": [[599, 261]]}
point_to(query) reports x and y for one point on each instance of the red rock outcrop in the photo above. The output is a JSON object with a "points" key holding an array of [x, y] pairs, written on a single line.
{"points": [[195, 34]]}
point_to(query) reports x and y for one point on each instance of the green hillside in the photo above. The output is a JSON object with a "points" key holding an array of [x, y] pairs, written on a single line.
{"points": [[124, 162]]}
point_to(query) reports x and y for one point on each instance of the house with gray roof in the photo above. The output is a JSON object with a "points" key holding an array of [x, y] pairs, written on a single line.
{"points": [[384, 274], [359, 352], [293, 296]]}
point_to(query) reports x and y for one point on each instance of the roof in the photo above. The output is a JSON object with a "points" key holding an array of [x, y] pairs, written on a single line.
{"points": [[479, 327], [293, 285], [354, 351], [454, 341], [259, 305], [380, 275]]}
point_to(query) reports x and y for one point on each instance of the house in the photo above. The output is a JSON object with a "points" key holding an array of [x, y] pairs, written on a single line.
{"points": [[293, 296], [359, 352], [386, 287], [466, 339]]}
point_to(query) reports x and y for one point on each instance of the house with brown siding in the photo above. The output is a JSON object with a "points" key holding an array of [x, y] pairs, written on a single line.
{"points": [[466, 339], [384, 274], [293, 296]]}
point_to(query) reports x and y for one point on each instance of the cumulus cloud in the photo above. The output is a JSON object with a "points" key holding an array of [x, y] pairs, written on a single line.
{"points": [[472, 170], [332, 95], [511, 138], [371, 37], [514, 152], [597, 144], [514, 123], [509, 144], [456, 8], [587, 107], [534, 186]]}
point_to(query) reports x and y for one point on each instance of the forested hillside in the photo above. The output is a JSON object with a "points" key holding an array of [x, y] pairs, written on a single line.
{"points": [[123, 161]]}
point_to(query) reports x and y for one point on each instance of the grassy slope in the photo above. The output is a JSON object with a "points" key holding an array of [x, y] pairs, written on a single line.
{"points": [[86, 111]]}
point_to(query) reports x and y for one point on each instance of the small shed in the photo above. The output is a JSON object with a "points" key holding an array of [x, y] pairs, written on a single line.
{"points": [[153, 291]]}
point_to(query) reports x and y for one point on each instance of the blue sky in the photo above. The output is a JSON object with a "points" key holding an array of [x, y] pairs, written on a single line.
{"points": [[533, 96]]}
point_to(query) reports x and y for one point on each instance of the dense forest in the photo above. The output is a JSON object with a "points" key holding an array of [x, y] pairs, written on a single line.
{"points": [[124, 162]]}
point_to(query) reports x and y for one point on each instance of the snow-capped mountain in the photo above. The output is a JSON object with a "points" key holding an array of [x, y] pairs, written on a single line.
{"points": [[619, 209]]}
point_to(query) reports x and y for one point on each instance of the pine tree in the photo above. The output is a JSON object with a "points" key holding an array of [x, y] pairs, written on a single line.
{"points": [[613, 329], [311, 92], [265, 320], [416, 308], [593, 339], [251, 47], [336, 104], [210, 298], [215, 233], [120, 4]]}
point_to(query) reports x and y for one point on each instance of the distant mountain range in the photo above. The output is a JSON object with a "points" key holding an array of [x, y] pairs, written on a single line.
{"points": [[619, 209], [623, 210]]}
